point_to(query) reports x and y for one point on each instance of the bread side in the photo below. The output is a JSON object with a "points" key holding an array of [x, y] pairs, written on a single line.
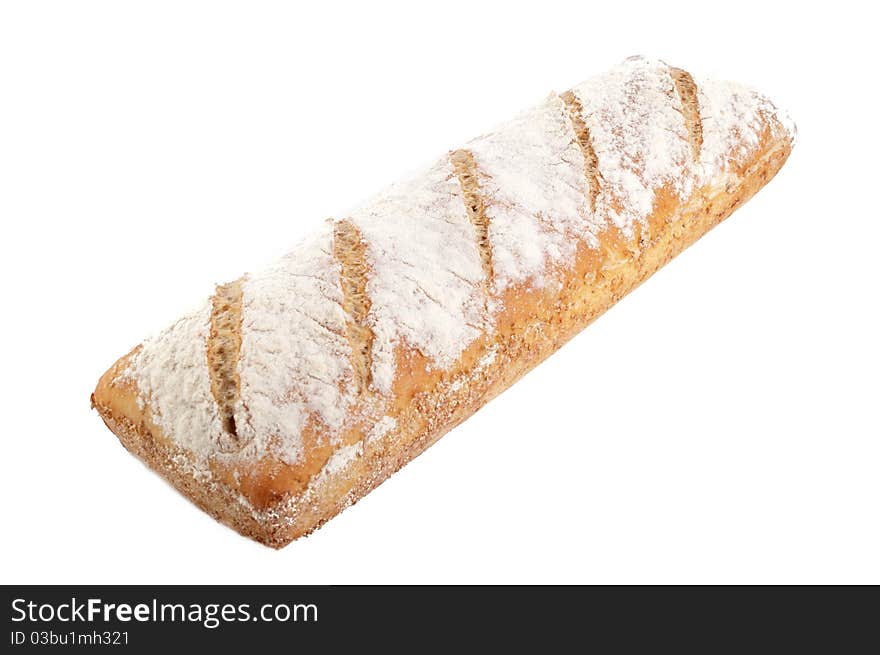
{"points": [[370, 341]]}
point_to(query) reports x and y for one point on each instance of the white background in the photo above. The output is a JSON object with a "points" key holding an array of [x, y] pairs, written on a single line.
{"points": [[718, 425]]}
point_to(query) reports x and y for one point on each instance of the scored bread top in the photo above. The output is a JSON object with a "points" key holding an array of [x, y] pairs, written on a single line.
{"points": [[304, 354]]}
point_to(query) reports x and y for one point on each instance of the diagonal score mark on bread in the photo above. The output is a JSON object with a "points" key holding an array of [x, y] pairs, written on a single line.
{"points": [[350, 252], [223, 354], [585, 143], [466, 170], [687, 93]]}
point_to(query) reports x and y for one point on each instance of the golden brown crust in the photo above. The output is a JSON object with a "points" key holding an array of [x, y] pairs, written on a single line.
{"points": [[275, 504]]}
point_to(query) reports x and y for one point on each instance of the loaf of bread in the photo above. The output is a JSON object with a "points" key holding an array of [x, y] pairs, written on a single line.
{"points": [[295, 390]]}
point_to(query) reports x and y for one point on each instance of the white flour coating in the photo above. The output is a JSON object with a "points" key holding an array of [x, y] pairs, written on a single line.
{"points": [[382, 427], [342, 457], [733, 117], [171, 374], [426, 281], [482, 364], [534, 185], [295, 359], [639, 135], [425, 286]]}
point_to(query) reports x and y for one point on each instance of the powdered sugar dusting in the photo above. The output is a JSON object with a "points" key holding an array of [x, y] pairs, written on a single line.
{"points": [[639, 135], [425, 287], [532, 178], [295, 359]]}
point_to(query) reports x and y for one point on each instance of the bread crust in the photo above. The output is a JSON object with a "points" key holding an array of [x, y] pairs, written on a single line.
{"points": [[275, 503]]}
